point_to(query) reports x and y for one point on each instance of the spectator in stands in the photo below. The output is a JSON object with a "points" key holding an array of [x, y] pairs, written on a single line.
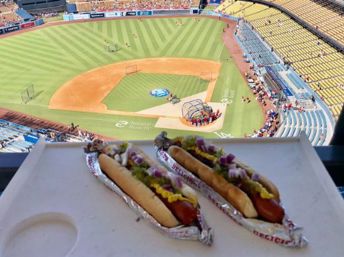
{"points": [[313, 98], [73, 128]]}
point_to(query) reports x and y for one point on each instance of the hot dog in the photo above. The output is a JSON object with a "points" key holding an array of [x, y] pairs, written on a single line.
{"points": [[162, 194], [251, 194]]}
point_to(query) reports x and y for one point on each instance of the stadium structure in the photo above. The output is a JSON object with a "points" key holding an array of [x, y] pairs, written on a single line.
{"points": [[271, 68]]}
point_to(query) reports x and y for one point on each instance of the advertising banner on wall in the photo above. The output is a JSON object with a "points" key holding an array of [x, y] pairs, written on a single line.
{"points": [[81, 16], [12, 28], [27, 25], [130, 13], [113, 14], [2, 31], [39, 22], [97, 15], [68, 17], [170, 12], [144, 13]]}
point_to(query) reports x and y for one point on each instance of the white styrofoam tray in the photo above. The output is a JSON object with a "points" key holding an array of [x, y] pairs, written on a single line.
{"points": [[55, 207]]}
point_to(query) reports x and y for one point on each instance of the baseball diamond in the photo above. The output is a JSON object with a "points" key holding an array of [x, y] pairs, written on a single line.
{"points": [[77, 79]]}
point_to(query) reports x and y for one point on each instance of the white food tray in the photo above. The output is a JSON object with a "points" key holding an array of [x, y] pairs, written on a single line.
{"points": [[55, 207]]}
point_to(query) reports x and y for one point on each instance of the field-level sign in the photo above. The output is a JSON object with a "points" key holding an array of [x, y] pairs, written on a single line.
{"points": [[223, 135], [121, 123]]}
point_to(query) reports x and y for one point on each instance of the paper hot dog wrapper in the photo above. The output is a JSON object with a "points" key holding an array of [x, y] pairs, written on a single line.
{"points": [[204, 235], [286, 234]]}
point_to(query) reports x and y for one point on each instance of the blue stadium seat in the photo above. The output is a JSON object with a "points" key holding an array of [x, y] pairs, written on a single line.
{"points": [[297, 132], [308, 117], [323, 118], [285, 131], [314, 120], [295, 120], [312, 135], [24, 14], [319, 118], [291, 132]]}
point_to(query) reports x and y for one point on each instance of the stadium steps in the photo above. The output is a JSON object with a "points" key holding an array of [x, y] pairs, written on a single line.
{"points": [[24, 14]]}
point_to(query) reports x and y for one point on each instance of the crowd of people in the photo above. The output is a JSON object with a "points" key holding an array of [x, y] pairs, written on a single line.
{"points": [[258, 89], [61, 136], [46, 14], [270, 126], [8, 14], [120, 5], [14, 133], [205, 117]]}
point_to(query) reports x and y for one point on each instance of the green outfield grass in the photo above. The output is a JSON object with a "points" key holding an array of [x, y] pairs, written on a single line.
{"points": [[138, 86], [49, 57]]}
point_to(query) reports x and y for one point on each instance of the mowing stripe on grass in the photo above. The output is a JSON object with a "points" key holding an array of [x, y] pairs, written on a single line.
{"points": [[6, 59], [158, 30], [145, 47], [150, 33], [77, 47], [135, 44], [170, 43], [208, 43], [135, 88], [178, 44], [200, 43], [193, 36], [68, 49], [162, 27], [216, 48], [167, 25], [43, 57], [94, 43], [16, 58], [56, 42], [86, 46], [109, 31], [41, 43], [100, 27]]}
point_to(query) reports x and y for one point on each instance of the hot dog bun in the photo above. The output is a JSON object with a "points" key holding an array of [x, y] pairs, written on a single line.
{"points": [[231, 193], [138, 191]]}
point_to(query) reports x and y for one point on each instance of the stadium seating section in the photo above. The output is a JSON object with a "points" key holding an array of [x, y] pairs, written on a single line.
{"points": [[8, 13], [120, 5], [323, 15], [317, 63], [313, 123], [15, 137]]}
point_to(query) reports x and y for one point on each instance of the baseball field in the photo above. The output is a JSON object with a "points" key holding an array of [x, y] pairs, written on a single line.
{"points": [[101, 74]]}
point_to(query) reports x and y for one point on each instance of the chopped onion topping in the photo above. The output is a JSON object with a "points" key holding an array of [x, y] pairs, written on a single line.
{"points": [[237, 173], [230, 157], [211, 149], [168, 187], [200, 142], [223, 160], [255, 176], [232, 166], [138, 159]]}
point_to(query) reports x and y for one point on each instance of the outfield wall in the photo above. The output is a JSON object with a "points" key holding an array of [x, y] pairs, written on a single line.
{"points": [[96, 15], [19, 26]]}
